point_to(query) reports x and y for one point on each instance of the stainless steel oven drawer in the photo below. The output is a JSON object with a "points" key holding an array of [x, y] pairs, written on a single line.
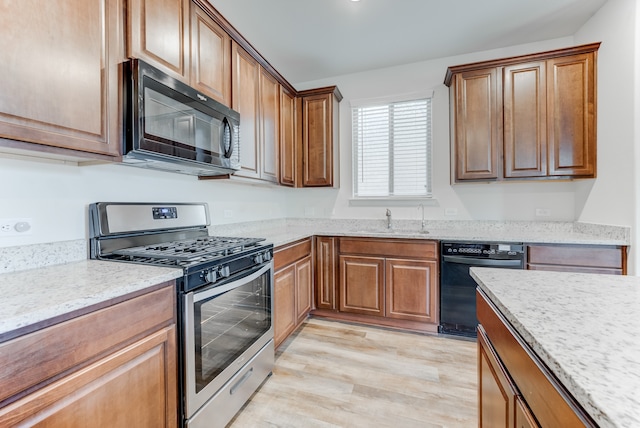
{"points": [[223, 406]]}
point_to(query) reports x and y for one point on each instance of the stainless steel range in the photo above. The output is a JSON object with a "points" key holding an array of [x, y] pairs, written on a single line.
{"points": [[225, 298]]}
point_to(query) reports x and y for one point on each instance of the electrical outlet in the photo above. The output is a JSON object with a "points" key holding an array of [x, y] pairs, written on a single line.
{"points": [[543, 212], [450, 212], [228, 213], [15, 226]]}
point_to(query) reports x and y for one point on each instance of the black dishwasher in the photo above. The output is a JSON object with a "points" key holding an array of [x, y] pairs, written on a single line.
{"points": [[458, 289]]}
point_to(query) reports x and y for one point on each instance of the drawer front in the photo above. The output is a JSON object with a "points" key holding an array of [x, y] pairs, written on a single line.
{"points": [[290, 253], [577, 255], [390, 247]]}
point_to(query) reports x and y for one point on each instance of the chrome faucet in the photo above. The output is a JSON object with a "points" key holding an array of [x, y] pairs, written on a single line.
{"points": [[388, 218], [421, 208]]}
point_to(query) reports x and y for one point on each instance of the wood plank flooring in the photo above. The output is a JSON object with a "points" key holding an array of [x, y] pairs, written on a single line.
{"points": [[334, 374]]}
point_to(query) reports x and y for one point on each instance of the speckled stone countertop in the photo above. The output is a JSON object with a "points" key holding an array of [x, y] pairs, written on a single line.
{"points": [[284, 231], [33, 296], [584, 327]]}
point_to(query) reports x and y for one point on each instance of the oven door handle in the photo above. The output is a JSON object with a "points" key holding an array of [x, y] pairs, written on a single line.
{"points": [[481, 262], [199, 295]]}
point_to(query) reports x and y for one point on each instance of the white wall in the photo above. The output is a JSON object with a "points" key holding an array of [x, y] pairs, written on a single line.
{"points": [[56, 196], [475, 201]]}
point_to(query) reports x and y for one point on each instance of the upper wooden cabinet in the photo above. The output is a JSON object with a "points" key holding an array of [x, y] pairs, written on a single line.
{"points": [[182, 39], [210, 56], [320, 137], [532, 116], [288, 138], [60, 77], [256, 96], [159, 34]]}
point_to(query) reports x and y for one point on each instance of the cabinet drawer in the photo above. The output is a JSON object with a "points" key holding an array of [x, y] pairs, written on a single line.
{"points": [[389, 247], [287, 254], [577, 255], [52, 351]]}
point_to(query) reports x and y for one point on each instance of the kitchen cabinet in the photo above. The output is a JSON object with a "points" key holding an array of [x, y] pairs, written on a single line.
{"points": [[112, 367], [158, 32], [210, 56], [293, 281], [326, 272], [256, 96], [578, 258], [180, 38], [320, 137], [514, 387], [269, 120], [362, 285], [60, 74], [532, 116], [390, 282], [289, 152]]}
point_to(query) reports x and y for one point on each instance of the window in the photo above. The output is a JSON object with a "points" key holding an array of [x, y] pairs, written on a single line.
{"points": [[392, 149]]}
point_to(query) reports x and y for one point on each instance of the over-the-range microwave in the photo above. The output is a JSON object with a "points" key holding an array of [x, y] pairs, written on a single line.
{"points": [[172, 127]]}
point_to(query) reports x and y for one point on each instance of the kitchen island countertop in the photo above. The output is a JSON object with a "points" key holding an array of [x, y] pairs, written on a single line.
{"points": [[584, 327], [54, 293]]}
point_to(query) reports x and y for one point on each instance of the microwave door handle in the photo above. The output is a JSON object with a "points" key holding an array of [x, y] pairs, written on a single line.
{"points": [[226, 124]]}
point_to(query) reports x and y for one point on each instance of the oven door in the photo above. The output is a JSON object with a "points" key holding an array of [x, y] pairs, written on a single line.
{"points": [[225, 325]]}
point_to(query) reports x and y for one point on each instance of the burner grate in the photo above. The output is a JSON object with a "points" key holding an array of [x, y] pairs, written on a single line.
{"points": [[189, 250]]}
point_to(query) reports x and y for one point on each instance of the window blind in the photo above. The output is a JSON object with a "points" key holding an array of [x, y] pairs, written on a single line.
{"points": [[392, 149]]}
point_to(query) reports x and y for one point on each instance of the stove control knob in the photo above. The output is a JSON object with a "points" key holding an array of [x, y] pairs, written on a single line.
{"points": [[212, 275], [224, 271], [258, 259], [267, 256]]}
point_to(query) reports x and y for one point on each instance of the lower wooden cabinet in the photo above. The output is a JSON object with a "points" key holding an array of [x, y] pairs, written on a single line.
{"points": [[293, 282], [578, 258], [515, 389], [362, 285], [390, 282], [326, 272], [115, 367]]}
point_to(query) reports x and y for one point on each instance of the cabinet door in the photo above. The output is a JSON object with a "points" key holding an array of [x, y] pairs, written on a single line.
{"points": [[284, 303], [317, 137], [362, 285], [210, 57], [571, 88], [525, 120], [159, 34], [245, 81], [524, 418], [269, 126], [60, 75], [478, 124], [325, 273], [304, 280], [411, 290], [133, 387], [496, 394], [288, 149]]}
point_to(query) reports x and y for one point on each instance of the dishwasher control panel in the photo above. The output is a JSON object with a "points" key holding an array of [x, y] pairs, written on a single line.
{"points": [[484, 249]]}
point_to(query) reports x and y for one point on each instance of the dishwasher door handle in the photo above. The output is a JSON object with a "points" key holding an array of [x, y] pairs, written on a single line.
{"points": [[482, 262]]}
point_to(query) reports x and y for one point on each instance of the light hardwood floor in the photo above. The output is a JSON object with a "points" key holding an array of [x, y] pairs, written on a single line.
{"points": [[334, 374]]}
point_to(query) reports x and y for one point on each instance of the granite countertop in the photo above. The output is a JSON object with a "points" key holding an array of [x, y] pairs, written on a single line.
{"points": [[31, 297], [284, 231], [584, 327]]}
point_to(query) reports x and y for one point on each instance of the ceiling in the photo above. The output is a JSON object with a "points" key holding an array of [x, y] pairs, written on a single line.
{"points": [[308, 40]]}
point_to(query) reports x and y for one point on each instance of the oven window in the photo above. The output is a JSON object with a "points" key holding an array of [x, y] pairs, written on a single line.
{"points": [[227, 324]]}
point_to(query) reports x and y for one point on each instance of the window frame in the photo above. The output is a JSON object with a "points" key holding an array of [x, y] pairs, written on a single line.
{"points": [[401, 200]]}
